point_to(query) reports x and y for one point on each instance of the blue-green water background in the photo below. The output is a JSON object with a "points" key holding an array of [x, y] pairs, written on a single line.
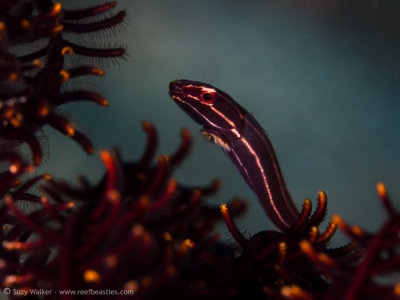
{"points": [[323, 80]]}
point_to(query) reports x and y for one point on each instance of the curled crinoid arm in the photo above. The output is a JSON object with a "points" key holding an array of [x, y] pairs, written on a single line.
{"points": [[110, 52], [301, 221], [326, 236], [354, 232], [183, 150], [80, 95], [165, 197], [387, 204], [9, 201], [319, 214], [63, 125], [306, 221], [161, 174], [322, 260], [151, 145], [95, 26], [234, 230], [113, 184]]}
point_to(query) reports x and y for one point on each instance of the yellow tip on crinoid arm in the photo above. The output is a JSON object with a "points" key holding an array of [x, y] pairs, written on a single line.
{"points": [[381, 190], [91, 276]]}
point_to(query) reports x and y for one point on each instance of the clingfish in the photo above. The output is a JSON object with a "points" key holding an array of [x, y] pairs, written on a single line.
{"points": [[243, 140]]}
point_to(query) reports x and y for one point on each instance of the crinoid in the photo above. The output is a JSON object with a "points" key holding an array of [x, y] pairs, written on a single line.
{"points": [[373, 276], [272, 259], [136, 232], [298, 263], [31, 83]]}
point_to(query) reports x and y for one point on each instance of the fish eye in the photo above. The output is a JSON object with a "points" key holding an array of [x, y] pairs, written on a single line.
{"points": [[207, 97]]}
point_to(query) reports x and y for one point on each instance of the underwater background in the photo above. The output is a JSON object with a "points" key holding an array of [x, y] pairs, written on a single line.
{"points": [[322, 79]]}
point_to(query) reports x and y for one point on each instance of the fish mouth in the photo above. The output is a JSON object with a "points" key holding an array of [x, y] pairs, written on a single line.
{"points": [[175, 90]]}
